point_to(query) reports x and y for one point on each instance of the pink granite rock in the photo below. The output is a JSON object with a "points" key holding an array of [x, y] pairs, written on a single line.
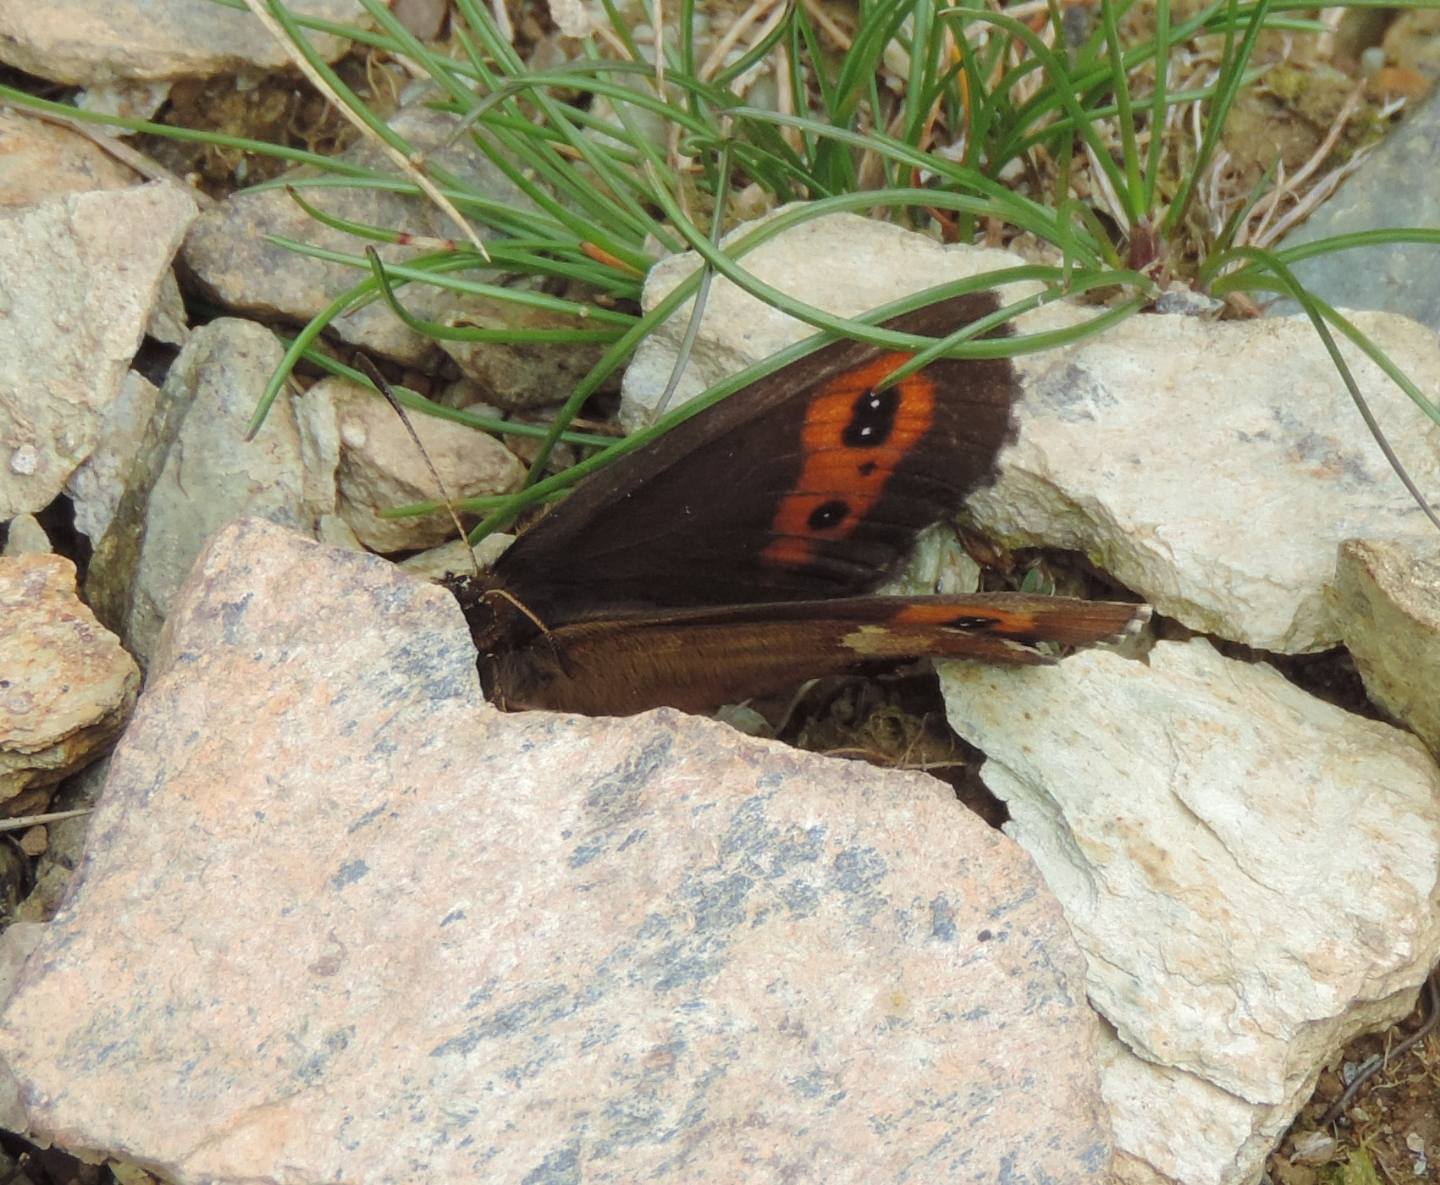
{"points": [[340, 920]]}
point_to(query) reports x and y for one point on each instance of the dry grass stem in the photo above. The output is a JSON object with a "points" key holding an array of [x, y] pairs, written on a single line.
{"points": [[1266, 210], [771, 11]]}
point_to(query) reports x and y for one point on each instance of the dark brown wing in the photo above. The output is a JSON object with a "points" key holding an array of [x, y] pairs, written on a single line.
{"points": [[807, 484], [701, 658]]}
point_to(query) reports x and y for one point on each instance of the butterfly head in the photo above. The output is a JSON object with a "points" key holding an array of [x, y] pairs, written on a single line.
{"points": [[503, 629], [497, 618]]}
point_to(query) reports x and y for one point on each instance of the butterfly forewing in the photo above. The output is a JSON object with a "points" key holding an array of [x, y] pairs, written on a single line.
{"points": [[810, 483]]}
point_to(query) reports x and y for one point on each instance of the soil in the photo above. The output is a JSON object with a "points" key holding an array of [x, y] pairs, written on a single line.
{"points": [[1391, 1128]]}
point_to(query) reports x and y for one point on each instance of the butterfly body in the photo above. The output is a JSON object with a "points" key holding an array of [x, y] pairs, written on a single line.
{"points": [[730, 558]]}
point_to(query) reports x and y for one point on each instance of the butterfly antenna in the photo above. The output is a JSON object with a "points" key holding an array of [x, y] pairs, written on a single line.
{"points": [[521, 606], [372, 372]]}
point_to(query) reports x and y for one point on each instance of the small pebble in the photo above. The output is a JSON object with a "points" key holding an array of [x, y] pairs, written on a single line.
{"points": [[1313, 1148]]}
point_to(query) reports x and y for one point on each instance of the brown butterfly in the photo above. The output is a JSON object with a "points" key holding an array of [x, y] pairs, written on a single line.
{"points": [[700, 570]]}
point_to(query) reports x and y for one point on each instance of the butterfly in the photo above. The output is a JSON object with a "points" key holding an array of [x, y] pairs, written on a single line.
{"points": [[732, 557]]}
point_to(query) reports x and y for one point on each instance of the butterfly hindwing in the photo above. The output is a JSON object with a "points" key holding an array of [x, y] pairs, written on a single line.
{"points": [[699, 658], [809, 483]]}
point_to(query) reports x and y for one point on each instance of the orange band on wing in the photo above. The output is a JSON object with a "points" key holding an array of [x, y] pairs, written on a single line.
{"points": [[852, 441]]}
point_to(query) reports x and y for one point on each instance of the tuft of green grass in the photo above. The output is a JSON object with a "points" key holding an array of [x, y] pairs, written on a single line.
{"points": [[1099, 146]]}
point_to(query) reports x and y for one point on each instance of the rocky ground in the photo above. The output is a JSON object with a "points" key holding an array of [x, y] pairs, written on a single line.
{"points": [[335, 917]]}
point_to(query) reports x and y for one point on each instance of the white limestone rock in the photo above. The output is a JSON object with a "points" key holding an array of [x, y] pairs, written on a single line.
{"points": [[71, 327], [882, 263], [380, 468], [1215, 467], [1387, 603], [1253, 874]]}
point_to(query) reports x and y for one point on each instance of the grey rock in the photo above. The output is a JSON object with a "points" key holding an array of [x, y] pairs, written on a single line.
{"points": [[25, 536], [97, 486], [1394, 188], [229, 254], [211, 473], [80, 42], [380, 468]]}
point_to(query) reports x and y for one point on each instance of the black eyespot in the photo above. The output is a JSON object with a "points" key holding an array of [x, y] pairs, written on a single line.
{"points": [[872, 419], [828, 514], [971, 623]]}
